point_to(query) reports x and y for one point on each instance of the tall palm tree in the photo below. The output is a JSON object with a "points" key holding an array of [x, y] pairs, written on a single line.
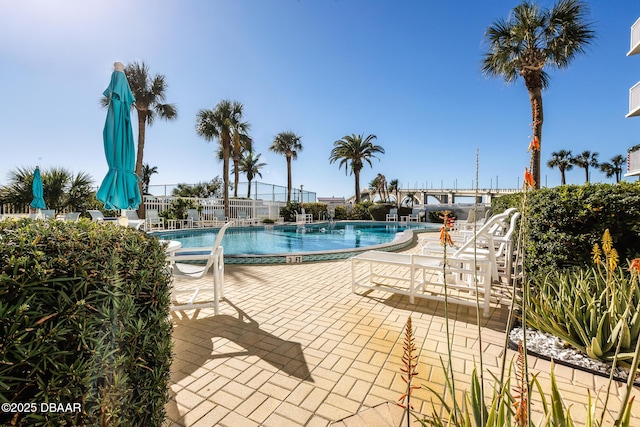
{"points": [[585, 160], [530, 40], [147, 171], [563, 161], [222, 123], [614, 167], [250, 165], [150, 93], [379, 185], [352, 151], [288, 144]]}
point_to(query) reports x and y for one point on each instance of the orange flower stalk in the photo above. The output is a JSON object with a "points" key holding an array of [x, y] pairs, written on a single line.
{"points": [[528, 178], [635, 265], [534, 144], [445, 237]]}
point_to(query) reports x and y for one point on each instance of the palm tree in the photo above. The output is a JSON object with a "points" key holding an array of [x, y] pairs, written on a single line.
{"points": [[147, 171], [202, 190], [242, 143], [585, 160], [288, 144], [614, 167], [62, 189], [394, 187], [563, 161], [530, 40], [250, 165], [379, 185], [222, 123], [149, 92], [353, 150]]}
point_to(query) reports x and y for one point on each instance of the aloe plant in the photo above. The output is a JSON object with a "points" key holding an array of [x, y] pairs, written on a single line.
{"points": [[595, 310]]}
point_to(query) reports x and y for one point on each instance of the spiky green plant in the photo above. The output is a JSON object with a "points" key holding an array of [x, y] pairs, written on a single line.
{"points": [[595, 310]]}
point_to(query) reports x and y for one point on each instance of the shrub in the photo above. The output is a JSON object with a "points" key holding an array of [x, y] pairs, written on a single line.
{"points": [[379, 211], [288, 212], [178, 208], [84, 319], [341, 212], [565, 222], [315, 209], [361, 211]]}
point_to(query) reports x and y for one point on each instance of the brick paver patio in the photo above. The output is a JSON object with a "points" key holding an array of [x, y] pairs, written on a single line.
{"points": [[293, 346]]}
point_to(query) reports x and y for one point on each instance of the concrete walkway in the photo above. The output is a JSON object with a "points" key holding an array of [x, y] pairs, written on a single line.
{"points": [[293, 346]]}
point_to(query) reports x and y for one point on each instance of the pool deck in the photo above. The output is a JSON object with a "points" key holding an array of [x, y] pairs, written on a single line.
{"points": [[293, 346]]}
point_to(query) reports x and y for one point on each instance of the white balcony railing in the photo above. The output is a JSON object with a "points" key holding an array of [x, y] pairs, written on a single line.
{"points": [[633, 163], [634, 101], [635, 38]]}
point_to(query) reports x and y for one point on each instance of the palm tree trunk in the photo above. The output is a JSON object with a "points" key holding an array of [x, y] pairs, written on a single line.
{"points": [[248, 189], [562, 178], [236, 178], [225, 172], [586, 174], [142, 127], [535, 97], [288, 179], [356, 173]]}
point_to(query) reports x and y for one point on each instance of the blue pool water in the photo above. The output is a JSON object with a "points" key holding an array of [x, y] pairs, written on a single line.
{"points": [[286, 239]]}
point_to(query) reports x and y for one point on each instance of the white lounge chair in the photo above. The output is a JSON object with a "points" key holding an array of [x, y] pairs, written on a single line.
{"points": [[182, 267], [422, 276], [153, 220], [392, 215], [72, 216], [98, 216], [492, 240], [245, 219], [133, 220]]}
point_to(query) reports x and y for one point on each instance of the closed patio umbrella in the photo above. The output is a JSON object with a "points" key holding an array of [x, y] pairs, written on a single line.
{"points": [[38, 191], [119, 189]]}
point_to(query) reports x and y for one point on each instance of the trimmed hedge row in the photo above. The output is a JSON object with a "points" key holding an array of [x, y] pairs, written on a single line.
{"points": [[563, 223], [84, 319]]}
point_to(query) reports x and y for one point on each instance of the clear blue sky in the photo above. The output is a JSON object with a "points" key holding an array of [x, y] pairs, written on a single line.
{"points": [[406, 71]]}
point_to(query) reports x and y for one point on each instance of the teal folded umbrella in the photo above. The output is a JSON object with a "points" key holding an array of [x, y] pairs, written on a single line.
{"points": [[119, 189], [38, 191]]}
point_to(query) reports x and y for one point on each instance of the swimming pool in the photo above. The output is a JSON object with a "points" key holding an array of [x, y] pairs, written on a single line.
{"points": [[276, 244]]}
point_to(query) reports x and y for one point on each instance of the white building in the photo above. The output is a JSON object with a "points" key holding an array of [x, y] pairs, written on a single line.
{"points": [[633, 154]]}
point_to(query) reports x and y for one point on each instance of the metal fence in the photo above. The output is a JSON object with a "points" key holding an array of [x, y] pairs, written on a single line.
{"points": [[252, 208], [259, 191]]}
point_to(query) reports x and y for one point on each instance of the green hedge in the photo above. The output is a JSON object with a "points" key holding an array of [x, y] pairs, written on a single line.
{"points": [[84, 319], [563, 223]]}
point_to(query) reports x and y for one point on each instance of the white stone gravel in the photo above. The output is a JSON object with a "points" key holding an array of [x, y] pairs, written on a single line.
{"points": [[555, 348]]}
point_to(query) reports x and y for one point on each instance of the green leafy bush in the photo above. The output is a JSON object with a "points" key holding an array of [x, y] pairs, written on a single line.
{"points": [[361, 211], [289, 211], [83, 319], [315, 209], [178, 208], [341, 212], [564, 222]]}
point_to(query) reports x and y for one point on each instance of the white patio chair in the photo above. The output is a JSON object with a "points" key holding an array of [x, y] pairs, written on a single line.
{"points": [[153, 221], [392, 215], [183, 267], [132, 221], [245, 219]]}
